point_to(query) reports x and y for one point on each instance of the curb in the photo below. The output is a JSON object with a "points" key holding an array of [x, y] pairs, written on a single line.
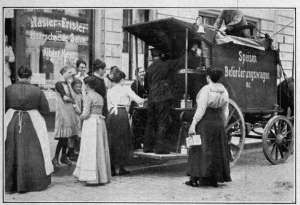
{"points": [[254, 146]]}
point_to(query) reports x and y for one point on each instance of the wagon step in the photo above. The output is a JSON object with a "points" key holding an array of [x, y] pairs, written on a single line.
{"points": [[172, 155]]}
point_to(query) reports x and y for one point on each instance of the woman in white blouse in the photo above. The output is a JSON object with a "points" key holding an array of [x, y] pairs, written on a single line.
{"points": [[119, 98], [208, 163]]}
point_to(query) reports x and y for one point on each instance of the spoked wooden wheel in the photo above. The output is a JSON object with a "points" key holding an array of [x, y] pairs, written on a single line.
{"points": [[278, 139], [236, 132]]}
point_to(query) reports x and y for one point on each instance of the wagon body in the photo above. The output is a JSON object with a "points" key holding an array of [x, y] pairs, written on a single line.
{"points": [[249, 70], [250, 76]]}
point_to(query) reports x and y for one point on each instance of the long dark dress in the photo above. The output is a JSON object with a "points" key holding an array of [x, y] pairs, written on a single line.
{"points": [[24, 162], [118, 127], [210, 160], [119, 133]]}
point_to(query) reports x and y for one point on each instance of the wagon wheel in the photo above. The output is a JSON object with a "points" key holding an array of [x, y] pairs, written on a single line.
{"points": [[278, 139], [235, 131]]}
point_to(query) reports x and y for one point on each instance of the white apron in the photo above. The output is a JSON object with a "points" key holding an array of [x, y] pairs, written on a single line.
{"points": [[39, 125]]}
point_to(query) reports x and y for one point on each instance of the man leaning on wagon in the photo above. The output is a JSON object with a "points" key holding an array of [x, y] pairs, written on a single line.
{"points": [[235, 23]]}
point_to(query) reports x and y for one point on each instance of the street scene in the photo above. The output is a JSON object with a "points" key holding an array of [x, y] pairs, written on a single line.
{"points": [[149, 105], [254, 180]]}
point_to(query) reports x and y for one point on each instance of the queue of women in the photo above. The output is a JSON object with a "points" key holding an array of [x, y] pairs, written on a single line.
{"points": [[93, 110]]}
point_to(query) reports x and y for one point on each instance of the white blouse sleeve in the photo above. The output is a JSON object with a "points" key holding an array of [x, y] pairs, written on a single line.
{"points": [[225, 108], [109, 100], [11, 55], [202, 100], [134, 97]]}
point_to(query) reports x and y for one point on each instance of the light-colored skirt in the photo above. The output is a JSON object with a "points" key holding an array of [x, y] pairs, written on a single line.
{"points": [[93, 165], [67, 122]]}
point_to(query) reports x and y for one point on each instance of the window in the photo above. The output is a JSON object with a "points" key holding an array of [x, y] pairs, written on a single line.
{"points": [[207, 19], [47, 41], [256, 24], [141, 15]]}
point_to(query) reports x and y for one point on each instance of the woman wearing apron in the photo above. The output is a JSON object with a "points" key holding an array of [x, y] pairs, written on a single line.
{"points": [[119, 98], [27, 150]]}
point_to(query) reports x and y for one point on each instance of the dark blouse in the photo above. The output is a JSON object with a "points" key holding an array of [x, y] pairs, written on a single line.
{"points": [[101, 90], [59, 87], [24, 96]]}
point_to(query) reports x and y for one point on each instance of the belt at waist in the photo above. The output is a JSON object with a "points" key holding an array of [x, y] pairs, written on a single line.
{"points": [[115, 108]]}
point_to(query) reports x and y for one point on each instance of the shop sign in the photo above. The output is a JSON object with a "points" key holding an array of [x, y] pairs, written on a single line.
{"points": [[77, 39], [63, 23]]}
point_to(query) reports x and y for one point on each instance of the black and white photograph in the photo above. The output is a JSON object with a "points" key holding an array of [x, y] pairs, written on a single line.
{"points": [[149, 103]]}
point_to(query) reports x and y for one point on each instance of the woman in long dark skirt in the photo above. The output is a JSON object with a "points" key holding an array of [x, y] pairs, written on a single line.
{"points": [[27, 151], [119, 98], [208, 163]]}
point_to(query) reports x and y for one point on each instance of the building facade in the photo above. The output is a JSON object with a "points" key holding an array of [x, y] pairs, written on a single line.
{"points": [[47, 39]]}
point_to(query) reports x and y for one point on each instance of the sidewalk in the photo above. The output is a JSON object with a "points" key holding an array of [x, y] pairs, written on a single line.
{"points": [[143, 161]]}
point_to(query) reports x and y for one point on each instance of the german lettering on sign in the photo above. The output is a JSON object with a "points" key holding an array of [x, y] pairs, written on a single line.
{"points": [[251, 73]]}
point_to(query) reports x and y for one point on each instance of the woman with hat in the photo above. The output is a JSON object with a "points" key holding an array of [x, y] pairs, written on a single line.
{"points": [[208, 163]]}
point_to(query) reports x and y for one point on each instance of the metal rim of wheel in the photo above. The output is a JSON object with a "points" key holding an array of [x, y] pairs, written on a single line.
{"points": [[278, 139], [236, 132]]}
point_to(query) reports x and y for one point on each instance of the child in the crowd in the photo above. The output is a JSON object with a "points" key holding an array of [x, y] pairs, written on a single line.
{"points": [[65, 118], [74, 141]]}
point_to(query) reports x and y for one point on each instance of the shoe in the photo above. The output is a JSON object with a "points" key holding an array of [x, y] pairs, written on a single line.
{"points": [[65, 160], [123, 171], [113, 172], [192, 183], [212, 183], [55, 163]]}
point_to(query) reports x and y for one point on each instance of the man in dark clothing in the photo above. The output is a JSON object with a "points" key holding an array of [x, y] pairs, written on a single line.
{"points": [[235, 23], [99, 71], [138, 86], [159, 81], [159, 103], [139, 117]]}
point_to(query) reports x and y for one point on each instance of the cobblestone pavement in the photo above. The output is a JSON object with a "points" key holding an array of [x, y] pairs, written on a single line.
{"points": [[254, 180]]}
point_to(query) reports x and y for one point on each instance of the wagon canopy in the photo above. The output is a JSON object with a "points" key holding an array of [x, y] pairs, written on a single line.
{"points": [[168, 35]]}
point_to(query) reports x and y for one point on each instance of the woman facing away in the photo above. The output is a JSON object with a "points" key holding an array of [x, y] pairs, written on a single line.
{"points": [[27, 150], [119, 98], [93, 165], [208, 163]]}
